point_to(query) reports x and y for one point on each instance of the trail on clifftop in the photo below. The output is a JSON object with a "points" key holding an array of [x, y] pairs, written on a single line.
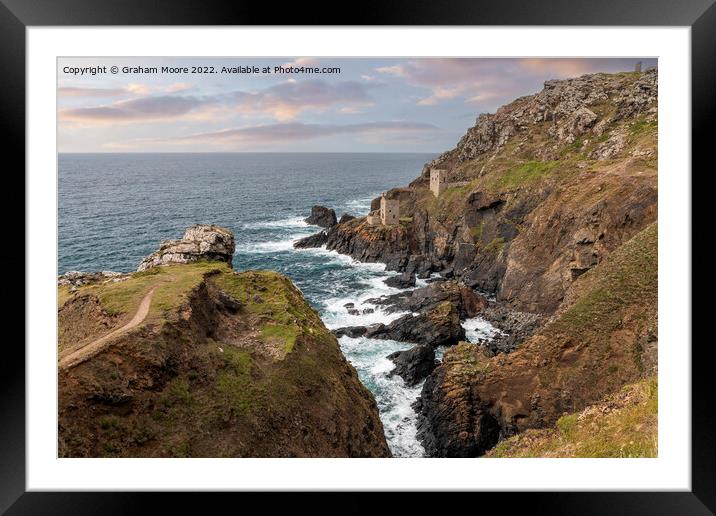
{"points": [[94, 347]]}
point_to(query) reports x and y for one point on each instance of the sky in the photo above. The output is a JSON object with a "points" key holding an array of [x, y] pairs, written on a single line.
{"points": [[284, 105]]}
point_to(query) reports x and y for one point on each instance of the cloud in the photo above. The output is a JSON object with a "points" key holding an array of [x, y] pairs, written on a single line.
{"points": [[284, 102], [141, 109], [292, 132], [492, 81], [131, 90], [91, 92], [287, 100]]}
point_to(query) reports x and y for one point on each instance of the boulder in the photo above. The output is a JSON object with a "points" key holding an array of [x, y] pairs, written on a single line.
{"points": [[414, 364], [322, 216], [76, 279], [316, 240], [350, 331], [200, 242], [345, 218], [468, 302], [437, 327], [404, 280]]}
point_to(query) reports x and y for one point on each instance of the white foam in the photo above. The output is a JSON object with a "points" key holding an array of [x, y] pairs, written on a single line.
{"points": [[393, 396], [360, 205], [271, 246], [291, 222], [479, 330]]}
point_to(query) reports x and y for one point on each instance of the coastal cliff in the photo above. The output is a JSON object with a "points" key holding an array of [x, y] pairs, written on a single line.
{"points": [[550, 206], [189, 358], [548, 186]]}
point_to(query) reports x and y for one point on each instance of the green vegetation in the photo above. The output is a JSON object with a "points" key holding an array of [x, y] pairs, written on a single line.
{"points": [[630, 277], [174, 283], [496, 245], [476, 231], [624, 425], [280, 334], [641, 126], [234, 382], [525, 174], [273, 299]]}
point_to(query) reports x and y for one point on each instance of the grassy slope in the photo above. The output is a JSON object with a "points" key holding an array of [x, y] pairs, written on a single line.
{"points": [[234, 386], [517, 165], [623, 425], [268, 296]]}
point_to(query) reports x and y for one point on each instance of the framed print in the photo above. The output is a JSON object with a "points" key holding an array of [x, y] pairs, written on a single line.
{"points": [[432, 250]]}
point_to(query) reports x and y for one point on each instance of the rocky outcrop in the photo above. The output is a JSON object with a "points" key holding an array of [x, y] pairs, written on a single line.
{"points": [[345, 218], [228, 365], [405, 280], [316, 240], [200, 242], [76, 279], [322, 216], [515, 327], [414, 364], [466, 301], [439, 326]]}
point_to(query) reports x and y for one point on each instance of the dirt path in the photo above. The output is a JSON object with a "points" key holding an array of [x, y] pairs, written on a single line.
{"points": [[94, 347]]}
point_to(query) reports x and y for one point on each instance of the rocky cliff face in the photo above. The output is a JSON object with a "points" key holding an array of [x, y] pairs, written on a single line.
{"points": [[555, 182], [603, 337], [553, 211], [202, 241], [224, 364]]}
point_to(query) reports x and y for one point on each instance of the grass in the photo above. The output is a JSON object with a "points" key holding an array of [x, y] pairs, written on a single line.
{"points": [[642, 126], [624, 425], [174, 283], [525, 174], [630, 277], [234, 382], [273, 299]]}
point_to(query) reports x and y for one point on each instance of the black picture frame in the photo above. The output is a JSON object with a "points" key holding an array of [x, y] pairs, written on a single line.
{"points": [[17, 15]]}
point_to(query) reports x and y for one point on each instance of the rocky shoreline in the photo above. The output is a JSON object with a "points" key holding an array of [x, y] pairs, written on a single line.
{"points": [[546, 190]]}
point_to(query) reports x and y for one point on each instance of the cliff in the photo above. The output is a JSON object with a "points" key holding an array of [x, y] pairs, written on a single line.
{"points": [[622, 425], [551, 206], [549, 185], [198, 360], [603, 337]]}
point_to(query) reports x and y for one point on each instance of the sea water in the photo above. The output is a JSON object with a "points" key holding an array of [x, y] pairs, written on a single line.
{"points": [[114, 209]]}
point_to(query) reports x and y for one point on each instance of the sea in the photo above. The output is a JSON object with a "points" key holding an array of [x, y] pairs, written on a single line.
{"points": [[114, 209]]}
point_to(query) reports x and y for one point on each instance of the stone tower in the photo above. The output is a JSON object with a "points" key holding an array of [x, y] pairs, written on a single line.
{"points": [[637, 67], [389, 210], [438, 181]]}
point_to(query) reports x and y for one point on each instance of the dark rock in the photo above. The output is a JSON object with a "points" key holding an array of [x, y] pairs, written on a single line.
{"points": [[437, 327], [441, 432], [404, 280], [349, 305], [350, 331], [322, 216], [413, 364], [368, 311], [316, 240], [468, 302], [345, 218], [354, 311], [516, 327]]}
